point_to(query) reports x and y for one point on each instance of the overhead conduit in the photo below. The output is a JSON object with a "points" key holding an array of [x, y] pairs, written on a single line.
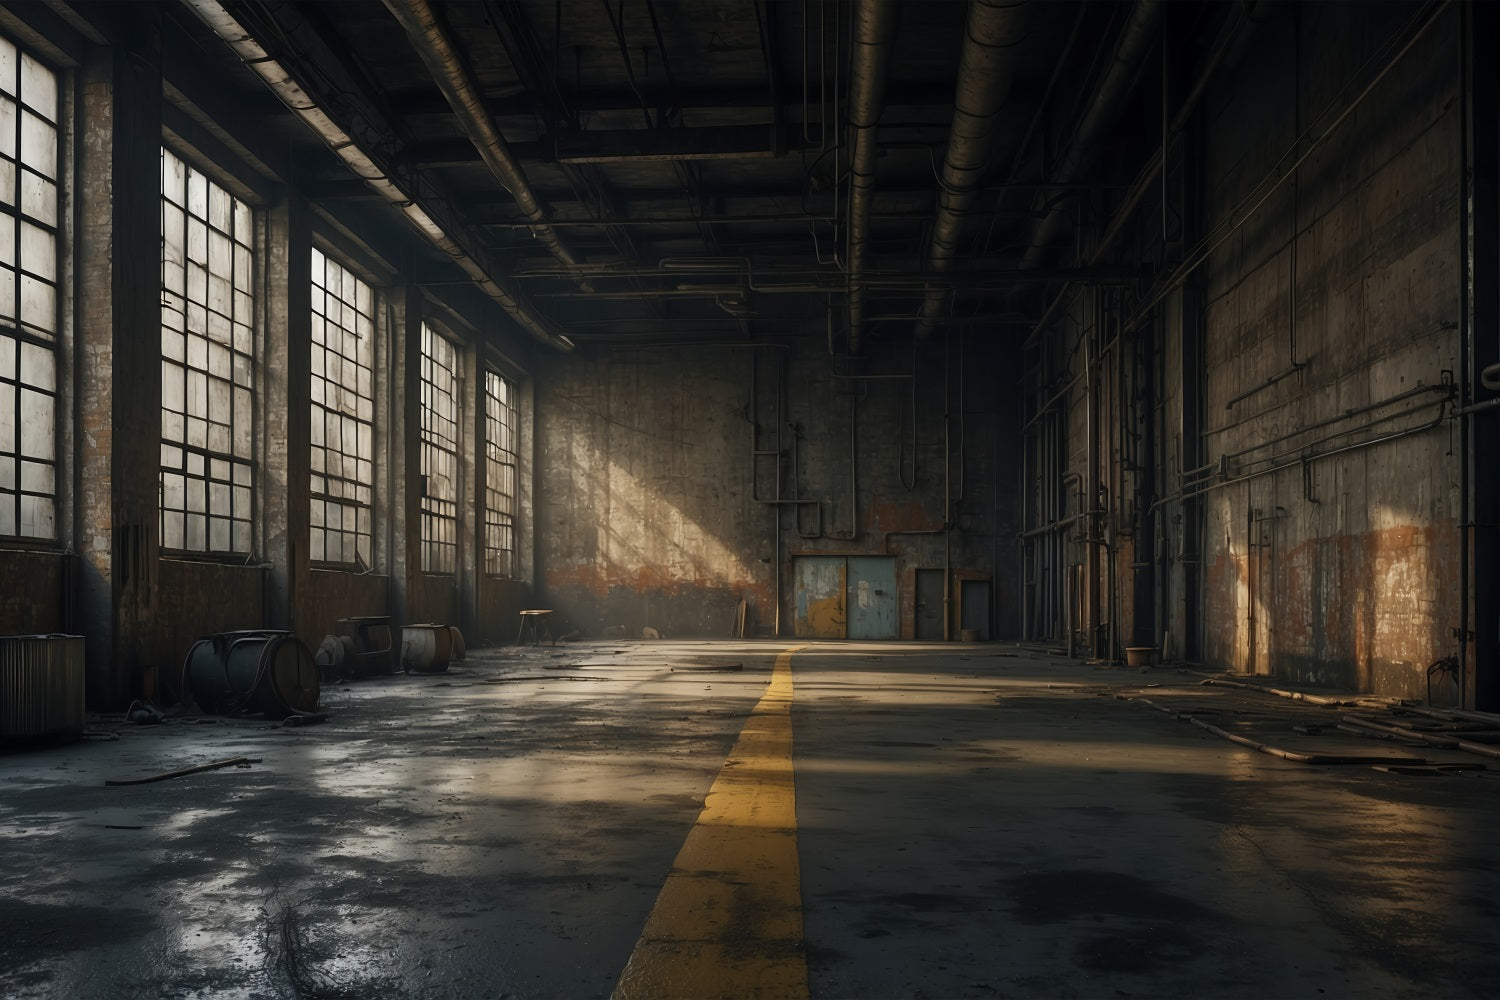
{"points": [[984, 78], [275, 76], [1139, 34], [438, 53], [874, 26]]}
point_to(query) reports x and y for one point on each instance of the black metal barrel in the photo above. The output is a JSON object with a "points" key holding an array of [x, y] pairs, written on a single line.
{"points": [[262, 670]]}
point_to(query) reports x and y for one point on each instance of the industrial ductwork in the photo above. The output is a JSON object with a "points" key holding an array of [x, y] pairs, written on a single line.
{"points": [[364, 165], [1139, 34], [431, 41], [984, 77], [874, 26]]}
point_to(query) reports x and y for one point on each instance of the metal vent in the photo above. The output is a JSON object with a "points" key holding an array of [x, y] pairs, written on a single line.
{"points": [[41, 685]]}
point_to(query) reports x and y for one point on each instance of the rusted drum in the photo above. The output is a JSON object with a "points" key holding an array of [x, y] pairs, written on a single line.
{"points": [[374, 652], [426, 649], [253, 671]]}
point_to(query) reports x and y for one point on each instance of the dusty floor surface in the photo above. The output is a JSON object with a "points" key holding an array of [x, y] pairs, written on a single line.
{"points": [[972, 821]]}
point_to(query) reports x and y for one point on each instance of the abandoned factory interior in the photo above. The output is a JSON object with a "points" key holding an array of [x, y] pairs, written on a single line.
{"points": [[437, 438]]}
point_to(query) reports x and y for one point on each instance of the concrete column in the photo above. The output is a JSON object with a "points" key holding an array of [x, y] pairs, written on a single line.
{"points": [[470, 529], [526, 520], [406, 458], [285, 394], [118, 185]]}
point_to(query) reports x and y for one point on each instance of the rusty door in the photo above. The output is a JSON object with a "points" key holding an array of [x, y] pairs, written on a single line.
{"points": [[872, 597], [819, 590]]}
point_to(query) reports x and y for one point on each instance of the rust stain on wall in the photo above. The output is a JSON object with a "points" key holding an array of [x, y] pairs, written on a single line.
{"points": [[1367, 611], [901, 516]]}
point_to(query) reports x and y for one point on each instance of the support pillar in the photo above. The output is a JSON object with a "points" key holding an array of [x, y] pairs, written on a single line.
{"points": [[118, 189]]}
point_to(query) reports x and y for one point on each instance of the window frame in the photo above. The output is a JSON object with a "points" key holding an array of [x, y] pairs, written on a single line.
{"points": [[364, 480], [439, 436], [230, 468], [32, 492], [502, 420]]}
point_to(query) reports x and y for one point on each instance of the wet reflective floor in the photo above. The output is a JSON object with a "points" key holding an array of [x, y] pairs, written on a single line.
{"points": [[968, 821]]}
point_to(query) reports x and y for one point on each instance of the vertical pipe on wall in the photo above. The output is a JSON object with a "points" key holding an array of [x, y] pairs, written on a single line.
{"points": [[1480, 228], [1091, 496], [947, 487], [1466, 349], [1026, 550]]}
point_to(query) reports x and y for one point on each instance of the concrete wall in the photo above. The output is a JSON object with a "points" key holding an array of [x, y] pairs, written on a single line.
{"points": [[1302, 520], [653, 511], [1342, 570]]}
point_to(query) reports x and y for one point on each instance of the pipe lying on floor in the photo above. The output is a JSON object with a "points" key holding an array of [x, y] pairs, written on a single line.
{"points": [[1431, 739], [1313, 699], [1266, 748], [180, 772]]}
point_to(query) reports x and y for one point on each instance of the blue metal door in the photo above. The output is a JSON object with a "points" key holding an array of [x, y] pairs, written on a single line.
{"points": [[872, 598]]}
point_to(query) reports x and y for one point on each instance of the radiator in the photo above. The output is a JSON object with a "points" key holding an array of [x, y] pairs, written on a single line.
{"points": [[41, 686]]}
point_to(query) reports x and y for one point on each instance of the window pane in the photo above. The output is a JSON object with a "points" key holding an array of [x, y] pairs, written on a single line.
{"points": [[39, 88], [499, 475], [342, 411], [208, 375]]}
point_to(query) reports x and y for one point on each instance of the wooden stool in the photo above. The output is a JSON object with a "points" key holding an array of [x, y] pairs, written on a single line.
{"points": [[533, 621]]}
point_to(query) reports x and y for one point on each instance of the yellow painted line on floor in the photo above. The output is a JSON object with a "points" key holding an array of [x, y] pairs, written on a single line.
{"points": [[728, 921]]}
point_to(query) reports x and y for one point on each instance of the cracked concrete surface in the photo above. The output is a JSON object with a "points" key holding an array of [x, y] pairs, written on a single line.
{"points": [[978, 820]]}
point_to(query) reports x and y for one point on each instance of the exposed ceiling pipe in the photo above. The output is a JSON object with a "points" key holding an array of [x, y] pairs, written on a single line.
{"points": [[874, 27], [1136, 39], [1231, 41], [985, 71], [432, 43], [364, 165]]}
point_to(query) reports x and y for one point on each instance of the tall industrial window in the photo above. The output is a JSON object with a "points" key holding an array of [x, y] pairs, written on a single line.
{"points": [[343, 415], [29, 310], [439, 453], [499, 476], [207, 367]]}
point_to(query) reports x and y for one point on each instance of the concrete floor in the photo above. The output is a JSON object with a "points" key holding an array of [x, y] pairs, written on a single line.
{"points": [[971, 821]]}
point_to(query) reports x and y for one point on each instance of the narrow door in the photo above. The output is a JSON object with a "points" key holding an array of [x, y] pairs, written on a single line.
{"points": [[974, 598], [929, 616], [872, 598], [819, 592]]}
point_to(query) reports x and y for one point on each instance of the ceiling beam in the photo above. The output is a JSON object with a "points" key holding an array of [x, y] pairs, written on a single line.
{"points": [[715, 142], [520, 103]]}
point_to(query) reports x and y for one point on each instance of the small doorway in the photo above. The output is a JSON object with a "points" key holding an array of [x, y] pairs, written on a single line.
{"points": [[974, 607], [929, 610]]}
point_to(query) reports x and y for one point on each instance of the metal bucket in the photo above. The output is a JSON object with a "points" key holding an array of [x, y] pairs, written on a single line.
{"points": [[426, 649], [253, 671]]}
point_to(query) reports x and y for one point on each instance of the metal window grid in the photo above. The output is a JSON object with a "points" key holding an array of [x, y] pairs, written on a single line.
{"points": [[500, 426], [30, 167], [439, 453], [208, 374], [343, 414]]}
